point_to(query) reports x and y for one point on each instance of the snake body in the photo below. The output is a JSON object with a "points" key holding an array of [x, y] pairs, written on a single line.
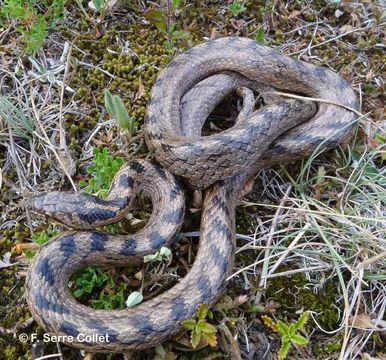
{"points": [[182, 97]]}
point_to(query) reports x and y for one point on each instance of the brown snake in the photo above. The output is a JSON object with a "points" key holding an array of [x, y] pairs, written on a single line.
{"points": [[181, 99]]}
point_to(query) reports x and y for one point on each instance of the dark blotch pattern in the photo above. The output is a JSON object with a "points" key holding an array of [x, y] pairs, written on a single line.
{"points": [[125, 181], [43, 303], [173, 217], [67, 245], [69, 328], [178, 308], [220, 261], [128, 248], [100, 328], [205, 286], [137, 166], [120, 203], [156, 239], [90, 216], [143, 324], [45, 270], [98, 241]]}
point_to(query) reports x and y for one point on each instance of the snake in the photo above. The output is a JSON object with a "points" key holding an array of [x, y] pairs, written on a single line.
{"points": [[182, 97]]}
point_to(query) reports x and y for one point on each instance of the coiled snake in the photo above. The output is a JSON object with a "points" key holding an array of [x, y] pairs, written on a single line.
{"points": [[181, 99]]}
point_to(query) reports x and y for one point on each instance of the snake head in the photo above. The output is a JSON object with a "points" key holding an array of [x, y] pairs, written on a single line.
{"points": [[76, 210]]}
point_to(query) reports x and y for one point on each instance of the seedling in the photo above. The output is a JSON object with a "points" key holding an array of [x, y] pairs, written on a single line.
{"points": [[103, 172], [288, 332], [200, 328], [163, 254], [116, 109], [236, 8]]}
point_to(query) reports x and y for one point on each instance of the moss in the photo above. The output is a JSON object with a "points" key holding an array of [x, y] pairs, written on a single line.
{"points": [[327, 348], [292, 294], [131, 72]]}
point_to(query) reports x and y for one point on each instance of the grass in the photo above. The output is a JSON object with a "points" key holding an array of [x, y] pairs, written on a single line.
{"points": [[331, 227], [310, 236]]}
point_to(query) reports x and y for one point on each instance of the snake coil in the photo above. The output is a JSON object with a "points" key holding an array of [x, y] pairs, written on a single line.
{"points": [[183, 96]]}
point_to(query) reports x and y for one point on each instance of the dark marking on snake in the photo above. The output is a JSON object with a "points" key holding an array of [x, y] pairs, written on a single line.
{"points": [[45, 270], [173, 216], [90, 216], [67, 245], [98, 241], [125, 181], [156, 239], [100, 328], [178, 308], [137, 166], [128, 248], [69, 328], [143, 324]]}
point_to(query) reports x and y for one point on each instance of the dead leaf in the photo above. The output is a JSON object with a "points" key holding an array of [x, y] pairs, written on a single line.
{"points": [[295, 14], [363, 322], [141, 89]]}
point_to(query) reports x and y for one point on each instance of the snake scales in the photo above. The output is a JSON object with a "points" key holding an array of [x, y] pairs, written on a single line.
{"points": [[181, 99]]}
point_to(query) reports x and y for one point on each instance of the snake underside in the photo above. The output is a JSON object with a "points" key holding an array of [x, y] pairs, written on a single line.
{"points": [[183, 96]]}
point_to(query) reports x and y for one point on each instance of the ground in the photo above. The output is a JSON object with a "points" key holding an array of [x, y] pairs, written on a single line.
{"points": [[310, 235]]}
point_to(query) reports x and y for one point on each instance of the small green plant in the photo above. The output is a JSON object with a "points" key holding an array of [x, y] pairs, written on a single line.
{"points": [[116, 109], [163, 20], [163, 254], [92, 280], [200, 329], [88, 279], [39, 238], [110, 301], [259, 37], [32, 19], [288, 332], [17, 118], [103, 172], [236, 8]]}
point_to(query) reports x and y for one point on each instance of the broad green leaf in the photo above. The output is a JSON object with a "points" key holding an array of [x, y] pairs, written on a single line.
{"points": [[211, 339], [109, 104], [299, 339], [165, 252], [123, 118], [291, 330], [189, 324], [195, 339], [207, 328], [78, 292], [160, 351], [157, 18], [283, 328], [202, 311], [134, 298]]}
